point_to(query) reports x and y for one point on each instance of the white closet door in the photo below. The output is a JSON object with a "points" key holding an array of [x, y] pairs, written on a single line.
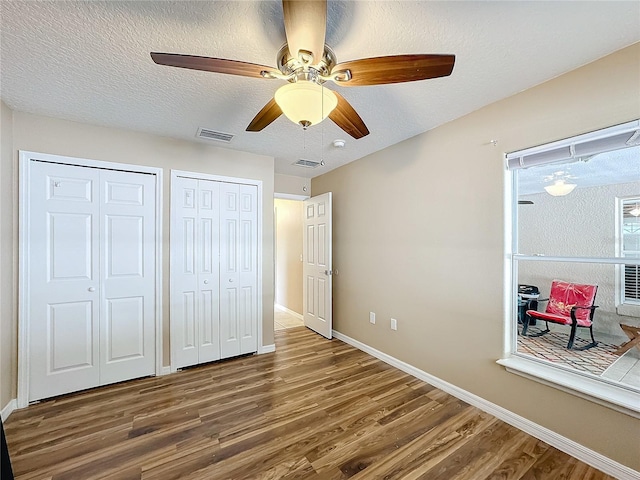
{"points": [[184, 299], [208, 234], [195, 308], [64, 283], [238, 269], [214, 246], [248, 271], [229, 269], [127, 325]]}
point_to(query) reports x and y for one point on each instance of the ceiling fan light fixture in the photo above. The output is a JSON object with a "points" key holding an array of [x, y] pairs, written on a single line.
{"points": [[305, 103], [560, 188]]}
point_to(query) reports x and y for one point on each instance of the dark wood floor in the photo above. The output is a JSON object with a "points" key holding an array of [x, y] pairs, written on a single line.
{"points": [[315, 409]]}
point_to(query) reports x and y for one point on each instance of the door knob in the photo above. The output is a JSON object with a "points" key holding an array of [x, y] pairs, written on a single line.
{"points": [[92, 289], [206, 282], [231, 280]]}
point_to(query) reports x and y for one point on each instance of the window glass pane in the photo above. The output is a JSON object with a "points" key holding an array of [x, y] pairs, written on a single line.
{"points": [[630, 233], [546, 291], [631, 280], [569, 209], [631, 227]]}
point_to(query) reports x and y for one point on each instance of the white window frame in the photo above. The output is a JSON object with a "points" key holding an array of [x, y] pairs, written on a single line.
{"points": [[620, 397]]}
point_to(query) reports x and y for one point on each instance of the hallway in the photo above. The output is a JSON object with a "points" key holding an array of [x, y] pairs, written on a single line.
{"points": [[283, 320]]}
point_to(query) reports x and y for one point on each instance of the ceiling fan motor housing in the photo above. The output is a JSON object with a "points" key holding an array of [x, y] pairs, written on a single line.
{"points": [[294, 69]]}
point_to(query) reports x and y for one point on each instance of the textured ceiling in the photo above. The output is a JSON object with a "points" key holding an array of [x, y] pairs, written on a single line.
{"points": [[88, 61]]}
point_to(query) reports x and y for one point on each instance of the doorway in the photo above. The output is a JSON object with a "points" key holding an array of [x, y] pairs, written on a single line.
{"points": [[288, 260]]}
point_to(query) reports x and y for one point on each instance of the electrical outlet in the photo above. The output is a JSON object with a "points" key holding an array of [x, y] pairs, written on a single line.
{"points": [[372, 318], [394, 324]]}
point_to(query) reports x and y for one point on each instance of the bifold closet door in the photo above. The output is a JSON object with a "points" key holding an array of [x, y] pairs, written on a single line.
{"points": [[127, 259], [64, 281], [195, 296], [91, 267], [238, 269], [214, 275]]}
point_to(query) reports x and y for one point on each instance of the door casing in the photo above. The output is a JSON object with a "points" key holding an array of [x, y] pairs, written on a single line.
{"points": [[25, 158]]}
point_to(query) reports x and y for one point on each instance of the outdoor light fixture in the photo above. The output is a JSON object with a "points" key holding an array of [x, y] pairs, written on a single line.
{"points": [[305, 103], [560, 188]]}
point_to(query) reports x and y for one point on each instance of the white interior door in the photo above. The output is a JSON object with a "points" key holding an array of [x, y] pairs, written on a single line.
{"points": [[208, 270], [229, 269], [91, 277], [184, 277], [128, 251], [64, 283], [248, 271], [238, 269], [195, 324], [317, 265]]}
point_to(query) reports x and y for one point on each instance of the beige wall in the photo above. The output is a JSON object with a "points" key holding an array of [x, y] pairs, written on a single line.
{"points": [[292, 185], [53, 136], [8, 325], [289, 254], [419, 235]]}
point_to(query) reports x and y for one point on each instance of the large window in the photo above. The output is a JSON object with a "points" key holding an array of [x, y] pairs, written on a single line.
{"points": [[575, 264]]}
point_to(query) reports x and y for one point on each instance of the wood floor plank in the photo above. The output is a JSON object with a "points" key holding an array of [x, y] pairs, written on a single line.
{"points": [[315, 409], [429, 449], [515, 464]]}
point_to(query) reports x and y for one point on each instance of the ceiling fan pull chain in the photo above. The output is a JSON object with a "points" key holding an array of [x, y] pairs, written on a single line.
{"points": [[322, 164]]}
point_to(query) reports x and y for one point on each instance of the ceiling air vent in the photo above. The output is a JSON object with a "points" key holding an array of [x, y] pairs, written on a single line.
{"points": [[208, 134], [307, 163]]}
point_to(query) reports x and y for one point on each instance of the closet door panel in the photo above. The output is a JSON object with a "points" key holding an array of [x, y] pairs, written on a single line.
{"points": [[63, 279], [229, 269], [185, 299], [208, 270], [127, 327], [248, 269]]}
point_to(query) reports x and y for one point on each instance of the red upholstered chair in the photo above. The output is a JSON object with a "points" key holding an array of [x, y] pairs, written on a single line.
{"points": [[568, 304]]}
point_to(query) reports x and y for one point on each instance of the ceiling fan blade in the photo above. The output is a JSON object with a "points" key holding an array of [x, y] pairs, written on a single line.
{"points": [[209, 64], [395, 69], [305, 25], [268, 114], [348, 119]]}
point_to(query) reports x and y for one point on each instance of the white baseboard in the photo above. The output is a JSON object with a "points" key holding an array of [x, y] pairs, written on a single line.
{"points": [[290, 312], [582, 453], [267, 349], [8, 409]]}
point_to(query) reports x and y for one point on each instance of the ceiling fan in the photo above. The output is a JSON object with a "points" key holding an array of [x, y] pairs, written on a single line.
{"points": [[306, 63]]}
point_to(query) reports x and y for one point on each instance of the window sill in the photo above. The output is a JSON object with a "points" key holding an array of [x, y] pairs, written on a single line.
{"points": [[628, 310], [615, 396]]}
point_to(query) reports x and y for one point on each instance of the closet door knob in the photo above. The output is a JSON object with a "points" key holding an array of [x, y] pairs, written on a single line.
{"points": [[206, 282], [91, 289]]}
